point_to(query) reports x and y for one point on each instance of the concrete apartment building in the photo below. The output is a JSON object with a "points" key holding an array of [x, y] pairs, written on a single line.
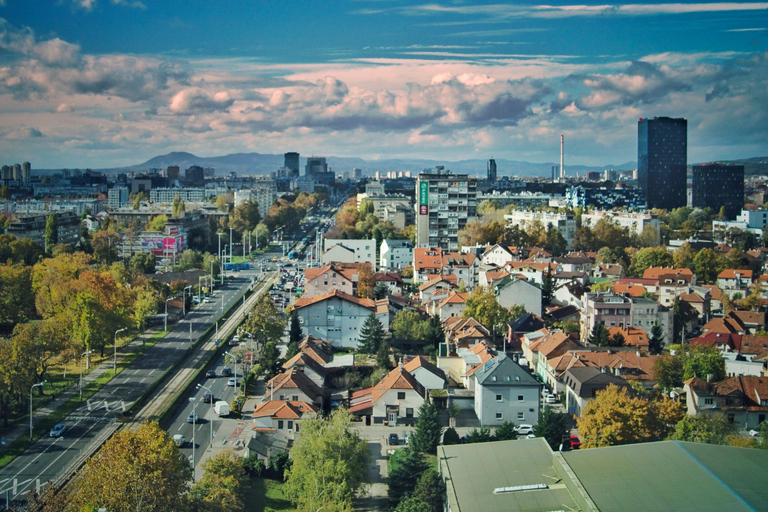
{"points": [[445, 203], [635, 223], [563, 222]]}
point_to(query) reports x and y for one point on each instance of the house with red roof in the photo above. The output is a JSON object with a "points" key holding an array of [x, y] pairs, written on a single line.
{"points": [[296, 386], [338, 317], [333, 276], [424, 371], [743, 400], [282, 418], [460, 363], [453, 305], [395, 399], [733, 281]]}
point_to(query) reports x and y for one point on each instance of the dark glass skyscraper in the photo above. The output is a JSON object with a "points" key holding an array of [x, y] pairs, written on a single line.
{"points": [[662, 157], [491, 170], [716, 186]]}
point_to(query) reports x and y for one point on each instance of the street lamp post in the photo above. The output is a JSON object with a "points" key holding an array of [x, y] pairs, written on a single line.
{"points": [[39, 384], [165, 318], [194, 422], [234, 388], [212, 413], [114, 361], [86, 353], [184, 298], [230, 245]]}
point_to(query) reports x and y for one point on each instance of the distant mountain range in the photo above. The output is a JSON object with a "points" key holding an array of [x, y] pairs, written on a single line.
{"points": [[257, 163]]}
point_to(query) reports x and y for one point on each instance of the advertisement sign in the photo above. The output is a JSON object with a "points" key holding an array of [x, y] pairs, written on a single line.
{"points": [[423, 198], [423, 210]]}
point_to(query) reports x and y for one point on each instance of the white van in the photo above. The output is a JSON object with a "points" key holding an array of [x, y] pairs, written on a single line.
{"points": [[221, 408]]}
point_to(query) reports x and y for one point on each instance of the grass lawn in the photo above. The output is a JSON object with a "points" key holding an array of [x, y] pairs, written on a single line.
{"points": [[265, 495]]}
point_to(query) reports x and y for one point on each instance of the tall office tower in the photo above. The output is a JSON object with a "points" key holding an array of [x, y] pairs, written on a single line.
{"points": [[315, 165], [662, 156], [195, 175], [716, 185], [491, 170], [292, 163], [172, 172], [446, 202], [26, 172]]}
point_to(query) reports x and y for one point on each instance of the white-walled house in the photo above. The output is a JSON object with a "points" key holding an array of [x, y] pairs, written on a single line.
{"points": [[350, 251], [281, 418], [338, 317], [504, 391], [511, 291], [395, 399], [428, 375], [395, 254]]}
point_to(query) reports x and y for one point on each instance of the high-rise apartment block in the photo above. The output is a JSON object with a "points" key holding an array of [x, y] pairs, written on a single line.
{"points": [[117, 197], [445, 203], [716, 186], [195, 175], [491, 170], [662, 157], [172, 172], [26, 172]]}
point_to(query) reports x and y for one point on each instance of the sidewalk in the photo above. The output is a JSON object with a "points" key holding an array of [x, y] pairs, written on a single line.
{"points": [[22, 427]]}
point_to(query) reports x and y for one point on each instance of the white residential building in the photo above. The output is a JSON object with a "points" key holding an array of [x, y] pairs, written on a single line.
{"points": [[396, 254], [349, 251], [564, 222], [445, 202], [635, 223], [504, 391]]}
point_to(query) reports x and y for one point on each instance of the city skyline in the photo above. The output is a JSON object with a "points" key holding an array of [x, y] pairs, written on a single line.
{"points": [[107, 83]]}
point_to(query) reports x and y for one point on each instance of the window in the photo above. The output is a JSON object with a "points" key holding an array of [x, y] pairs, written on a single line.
{"points": [[280, 424], [401, 395], [295, 398], [409, 412], [520, 398], [521, 416], [290, 424], [499, 398], [499, 416], [708, 401]]}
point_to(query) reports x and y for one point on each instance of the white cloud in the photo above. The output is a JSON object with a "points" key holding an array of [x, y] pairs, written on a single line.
{"points": [[65, 108]]}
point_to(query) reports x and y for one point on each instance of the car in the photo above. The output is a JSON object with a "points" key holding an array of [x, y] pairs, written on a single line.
{"points": [[393, 439], [208, 398], [550, 399], [57, 430], [179, 440], [524, 430], [236, 337], [575, 442], [193, 418], [233, 343], [231, 278], [232, 382], [226, 371], [754, 433], [210, 374]]}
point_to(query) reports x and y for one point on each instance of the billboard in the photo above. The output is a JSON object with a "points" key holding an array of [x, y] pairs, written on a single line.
{"points": [[423, 198]]}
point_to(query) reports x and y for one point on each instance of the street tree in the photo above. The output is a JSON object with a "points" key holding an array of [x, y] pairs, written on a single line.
{"points": [[329, 465], [553, 426], [105, 245], [426, 437], [222, 483], [51, 232], [265, 322], [407, 465], [17, 302], [141, 471], [371, 335], [245, 217]]}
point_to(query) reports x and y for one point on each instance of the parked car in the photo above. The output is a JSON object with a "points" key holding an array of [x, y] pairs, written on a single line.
{"points": [[193, 418], [210, 374], [232, 382], [524, 430], [393, 439], [57, 430], [575, 442], [207, 398], [550, 398], [233, 343], [226, 371]]}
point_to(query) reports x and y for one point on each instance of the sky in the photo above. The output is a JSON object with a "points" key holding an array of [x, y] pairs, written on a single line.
{"points": [[109, 83]]}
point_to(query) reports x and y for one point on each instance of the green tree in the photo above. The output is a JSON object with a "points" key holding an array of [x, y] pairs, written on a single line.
{"points": [[17, 302], [705, 265], [51, 232], [684, 256], [408, 329], [221, 485], [434, 335], [430, 489], [656, 339], [329, 464], [599, 336], [178, 208], [144, 306], [505, 432], [265, 322], [483, 435], [380, 291], [426, 437], [617, 340], [371, 335], [555, 243], [139, 470], [295, 335], [261, 233], [190, 259], [553, 426], [383, 361], [650, 257], [407, 465], [483, 307], [547, 287], [105, 245], [143, 262], [703, 428], [688, 362], [157, 223], [4, 193], [245, 217], [413, 504], [211, 263], [450, 436]]}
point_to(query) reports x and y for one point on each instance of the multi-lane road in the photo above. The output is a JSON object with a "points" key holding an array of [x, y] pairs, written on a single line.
{"points": [[94, 419]]}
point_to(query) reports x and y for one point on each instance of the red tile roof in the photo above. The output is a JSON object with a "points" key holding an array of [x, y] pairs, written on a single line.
{"points": [[282, 409], [633, 336], [731, 273], [655, 272], [366, 303], [294, 379], [427, 258]]}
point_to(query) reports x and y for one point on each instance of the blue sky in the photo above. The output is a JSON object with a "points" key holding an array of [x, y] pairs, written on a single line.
{"points": [[101, 83]]}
